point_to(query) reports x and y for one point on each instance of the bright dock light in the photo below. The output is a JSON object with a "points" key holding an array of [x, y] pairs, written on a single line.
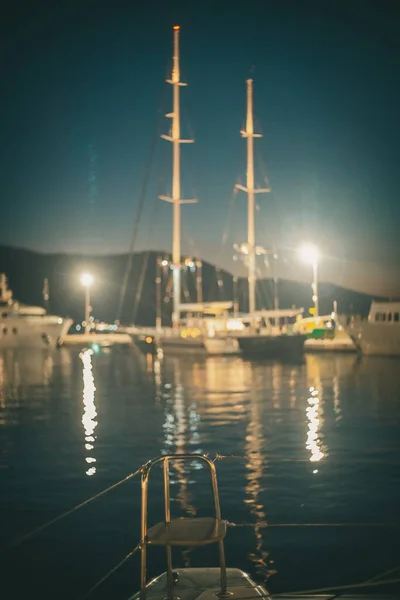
{"points": [[86, 279], [309, 253]]}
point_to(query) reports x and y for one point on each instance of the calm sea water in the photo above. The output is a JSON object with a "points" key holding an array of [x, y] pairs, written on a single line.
{"points": [[317, 449]]}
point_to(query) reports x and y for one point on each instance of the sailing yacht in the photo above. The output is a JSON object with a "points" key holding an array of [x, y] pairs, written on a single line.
{"points": [[262, 337], [24, 326], [199, 337], [215, 331]]}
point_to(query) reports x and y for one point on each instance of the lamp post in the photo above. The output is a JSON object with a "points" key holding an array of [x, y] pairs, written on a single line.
{"points": [[309, 254], [159, 264], [86, 281]]}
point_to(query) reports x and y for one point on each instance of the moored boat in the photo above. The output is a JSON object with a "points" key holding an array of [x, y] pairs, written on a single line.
{"points": [[25, 326], [379, 334], [324, 334]]}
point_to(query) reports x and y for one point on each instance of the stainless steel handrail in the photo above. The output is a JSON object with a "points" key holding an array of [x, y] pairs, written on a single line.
{"points": [[143, 542]]}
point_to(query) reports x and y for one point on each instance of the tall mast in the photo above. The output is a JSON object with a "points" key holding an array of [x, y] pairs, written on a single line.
{"points": [[176, 180], [251, 247]]}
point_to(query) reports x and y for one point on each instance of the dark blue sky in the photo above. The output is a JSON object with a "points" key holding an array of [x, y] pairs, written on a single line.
{"points": [[90, 74]]}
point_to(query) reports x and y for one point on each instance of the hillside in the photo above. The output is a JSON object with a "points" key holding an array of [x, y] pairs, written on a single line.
{"points": [[26, 271]]}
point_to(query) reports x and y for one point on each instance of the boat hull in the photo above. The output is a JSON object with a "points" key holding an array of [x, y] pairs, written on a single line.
{"points": [[272, 346], [222, 345], [374, 338], [377, 340], [341, 342], [32, 332], [178, 345], [103, 340]]}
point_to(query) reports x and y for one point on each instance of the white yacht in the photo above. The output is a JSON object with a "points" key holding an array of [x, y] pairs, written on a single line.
{"points": [[380, 333], [23, 326]]}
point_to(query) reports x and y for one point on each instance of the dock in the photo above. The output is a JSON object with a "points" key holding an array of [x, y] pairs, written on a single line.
{"points": [[336, 344], [103, 340]]}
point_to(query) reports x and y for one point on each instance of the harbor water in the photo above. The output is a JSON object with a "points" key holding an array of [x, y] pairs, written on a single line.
{"points": [[311, 484]]}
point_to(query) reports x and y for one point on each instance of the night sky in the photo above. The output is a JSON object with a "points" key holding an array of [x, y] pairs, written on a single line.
{"points": [[82, 103]]}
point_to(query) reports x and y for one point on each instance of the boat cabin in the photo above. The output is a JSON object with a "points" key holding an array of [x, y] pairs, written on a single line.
{"points": [[385, 312]]}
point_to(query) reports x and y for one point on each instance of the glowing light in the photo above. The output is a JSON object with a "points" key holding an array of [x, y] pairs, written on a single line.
{"points": [[86, 279], [308, 253], [313, 442], [89, 412], [234, 325], [176, 27], [149, 340], [164, 263]]}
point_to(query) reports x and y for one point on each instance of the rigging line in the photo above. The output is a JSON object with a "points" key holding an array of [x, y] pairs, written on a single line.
{"points": [[155, 139], [388, 572], [146, 260], [262, 290], [29, 535], [140, 285], [137, 220], [338, 587], [216, 456], [265, 524], [96, 585], [225, 231]]}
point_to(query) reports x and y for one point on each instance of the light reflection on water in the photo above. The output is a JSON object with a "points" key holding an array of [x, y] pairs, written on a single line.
{"points": [[255, 449], [335, 415], [89, 407], [314, 423]]}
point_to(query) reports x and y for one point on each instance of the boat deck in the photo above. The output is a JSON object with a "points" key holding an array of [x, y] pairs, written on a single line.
{"points": [[204, 583]]}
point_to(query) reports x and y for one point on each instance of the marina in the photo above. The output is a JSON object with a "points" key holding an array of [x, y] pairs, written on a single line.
{"points": [[200, 403]]}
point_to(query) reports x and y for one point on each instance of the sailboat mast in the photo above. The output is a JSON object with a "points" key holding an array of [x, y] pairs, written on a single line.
{"points": [[176, 200], [251, 246], [176, 181], [250, 198]]}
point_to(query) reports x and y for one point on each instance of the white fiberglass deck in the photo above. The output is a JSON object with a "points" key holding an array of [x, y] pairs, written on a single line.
{"points": [[204, 583]]}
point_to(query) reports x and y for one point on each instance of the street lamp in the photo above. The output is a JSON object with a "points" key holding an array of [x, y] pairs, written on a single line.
{"points": [[309, 254], [86, 281]]}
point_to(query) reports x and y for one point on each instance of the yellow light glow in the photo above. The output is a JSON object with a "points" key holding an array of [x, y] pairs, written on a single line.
{"points": [[234, 325], [176, 27]]}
